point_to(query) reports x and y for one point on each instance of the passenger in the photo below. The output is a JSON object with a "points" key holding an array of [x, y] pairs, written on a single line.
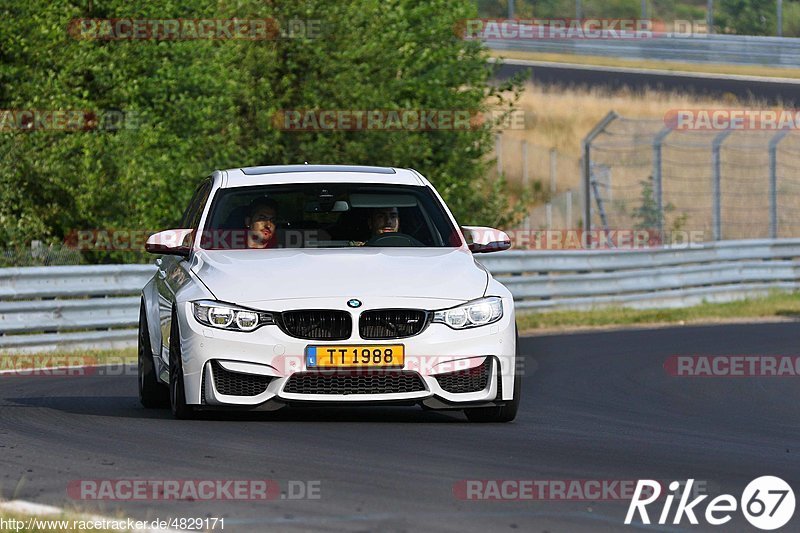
{"points": [[261, 224]]}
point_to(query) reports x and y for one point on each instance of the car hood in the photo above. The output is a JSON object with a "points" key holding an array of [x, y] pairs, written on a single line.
{"points": [[241, 276]]}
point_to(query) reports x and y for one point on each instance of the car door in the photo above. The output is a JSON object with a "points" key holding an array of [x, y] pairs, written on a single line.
{"points": [[173, 271]]}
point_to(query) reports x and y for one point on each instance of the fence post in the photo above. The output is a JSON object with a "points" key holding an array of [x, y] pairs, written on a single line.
{"points": [[548, 209], [553, 170], [716, 184], [498, 150], [658, 189], [773, 182], [569, 209], [525, 177], [709, 16], [587, 171]]}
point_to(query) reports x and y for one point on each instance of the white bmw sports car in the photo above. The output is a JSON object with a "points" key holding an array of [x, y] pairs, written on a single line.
{"points": [[325, 284]]}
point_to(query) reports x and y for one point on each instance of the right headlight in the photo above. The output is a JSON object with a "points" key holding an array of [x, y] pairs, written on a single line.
{"points": [[471, 314], [226, 316]]}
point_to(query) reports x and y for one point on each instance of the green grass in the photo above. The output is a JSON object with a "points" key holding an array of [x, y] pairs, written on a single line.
{"points": [[777, 305]]}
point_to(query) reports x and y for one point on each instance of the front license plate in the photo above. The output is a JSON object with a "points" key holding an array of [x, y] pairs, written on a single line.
{"points": [[355, 356]]}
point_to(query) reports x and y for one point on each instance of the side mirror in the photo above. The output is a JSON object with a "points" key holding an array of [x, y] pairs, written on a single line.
{"points": [[482, 240], [170, 242]]}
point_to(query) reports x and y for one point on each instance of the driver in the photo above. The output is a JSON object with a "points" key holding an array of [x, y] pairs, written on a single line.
{"points": [[261, 223], [383, 220]]}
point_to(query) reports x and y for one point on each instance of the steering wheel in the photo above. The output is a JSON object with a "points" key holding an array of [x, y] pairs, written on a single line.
{"points": [[393, 238]]}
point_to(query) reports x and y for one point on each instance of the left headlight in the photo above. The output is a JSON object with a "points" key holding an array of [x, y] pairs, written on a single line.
{"points": [[233, 318], [471, 314]]}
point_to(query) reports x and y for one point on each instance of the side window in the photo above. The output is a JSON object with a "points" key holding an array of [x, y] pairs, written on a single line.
{"points": [[191, 217]]}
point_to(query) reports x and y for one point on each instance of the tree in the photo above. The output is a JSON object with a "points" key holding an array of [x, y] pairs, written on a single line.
{"points": [[747, 17]]}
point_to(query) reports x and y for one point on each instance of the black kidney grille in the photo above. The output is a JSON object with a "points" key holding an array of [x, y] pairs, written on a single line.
{"points": [[391, 323], [390, 382], [471, 380], [237, 384], [317, 324]]}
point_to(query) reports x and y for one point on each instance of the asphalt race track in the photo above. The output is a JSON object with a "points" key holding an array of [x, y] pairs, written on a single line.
{"points": [[596, 406], [776, 91]]}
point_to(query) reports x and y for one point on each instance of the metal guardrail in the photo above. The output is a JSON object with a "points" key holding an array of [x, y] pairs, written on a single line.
{"points": [[699, 48], [49, 308], [576, 279]]}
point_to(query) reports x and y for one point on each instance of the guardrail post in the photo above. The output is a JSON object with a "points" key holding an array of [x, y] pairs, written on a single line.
{"points": [[553, 170], [773, 182], [587, 171], [716, 183], [658, 195]]}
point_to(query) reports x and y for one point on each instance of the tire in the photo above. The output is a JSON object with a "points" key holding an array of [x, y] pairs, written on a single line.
{"points": [[152, 394], [501, 413], [177, 392]]}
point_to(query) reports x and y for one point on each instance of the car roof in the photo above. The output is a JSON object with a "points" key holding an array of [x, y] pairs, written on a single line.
{"points": [[281, 174]]}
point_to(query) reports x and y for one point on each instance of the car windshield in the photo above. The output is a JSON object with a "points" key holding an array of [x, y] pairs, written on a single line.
{"points": [[323, 215]]}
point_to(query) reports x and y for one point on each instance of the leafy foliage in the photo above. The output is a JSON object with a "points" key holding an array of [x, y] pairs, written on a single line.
{"points": [[196, 105], [747, 17]]}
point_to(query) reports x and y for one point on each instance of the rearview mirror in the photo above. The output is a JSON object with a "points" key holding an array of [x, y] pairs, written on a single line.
{"points": [[170, 242], [482, 240]]}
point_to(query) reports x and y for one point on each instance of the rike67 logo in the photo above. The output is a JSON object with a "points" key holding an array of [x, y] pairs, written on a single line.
{"points": [[767, 503]]}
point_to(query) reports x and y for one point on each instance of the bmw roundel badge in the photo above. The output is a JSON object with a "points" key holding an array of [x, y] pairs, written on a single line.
{"points": [[354, 303]]}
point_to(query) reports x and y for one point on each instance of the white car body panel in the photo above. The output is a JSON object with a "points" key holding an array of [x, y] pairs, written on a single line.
{"points": [[244, 276]]}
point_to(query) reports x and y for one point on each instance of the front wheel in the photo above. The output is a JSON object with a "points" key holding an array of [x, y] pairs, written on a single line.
{"points": [[177, 391], [501, 413]]}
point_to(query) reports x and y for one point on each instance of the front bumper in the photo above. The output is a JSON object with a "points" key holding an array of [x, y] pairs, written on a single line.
{"points": [[266, 369]]}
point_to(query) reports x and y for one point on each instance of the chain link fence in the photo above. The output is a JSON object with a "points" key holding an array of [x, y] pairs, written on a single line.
{"points": [[552, 177], [642, 174], [728, 184]]}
